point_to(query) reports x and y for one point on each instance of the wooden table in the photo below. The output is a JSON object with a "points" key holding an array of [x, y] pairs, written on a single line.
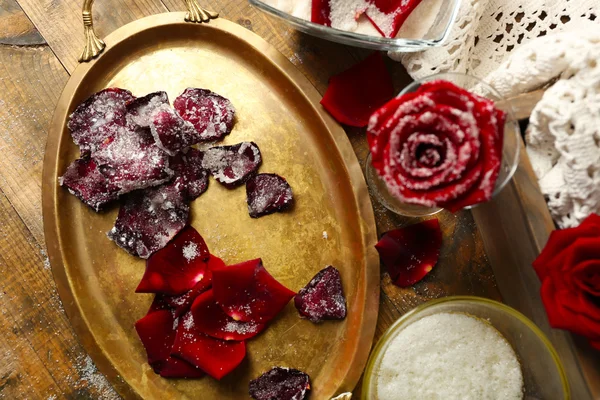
{"points": [[40, 40]]}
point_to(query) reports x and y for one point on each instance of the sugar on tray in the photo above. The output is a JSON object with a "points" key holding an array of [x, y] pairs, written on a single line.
{"points": [[449, 356]]}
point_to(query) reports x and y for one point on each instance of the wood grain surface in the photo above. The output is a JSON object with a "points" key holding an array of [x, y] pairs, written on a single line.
{"points": [[40, 40]]}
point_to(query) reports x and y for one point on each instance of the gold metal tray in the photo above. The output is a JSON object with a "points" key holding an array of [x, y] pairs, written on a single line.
{"points": [[278, 109]]}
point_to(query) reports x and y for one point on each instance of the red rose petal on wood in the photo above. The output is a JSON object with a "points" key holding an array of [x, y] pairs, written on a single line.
{"points": [[266, 194], [280, 383], [140, 110], [214, 356], [190, 177], [178, 267], [96, 119], [212, 321], [356, 93], [83, 180], [247, 292], [131, 160], [149, 219], [411, 252], [171, 132], [211, 114], [323, 297], [232, 165]]}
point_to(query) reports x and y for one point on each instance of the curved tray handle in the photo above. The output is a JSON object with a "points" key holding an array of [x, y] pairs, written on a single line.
{"points": [[94, 46]]}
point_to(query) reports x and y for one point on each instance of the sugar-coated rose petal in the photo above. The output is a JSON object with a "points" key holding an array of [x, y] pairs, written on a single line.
{"points": [[439, 146], [149, 219], [323, 298], [178, 267], [232, 165], [189, 177], [131, 160], [211, 320], [96, 119], [266, 194], [353, 95], [83, 180], [247, 292], [320, 12], [398, 10], [280, 383], [411, 252], [140, 110], [214, 356], [211, 114], [171, 132]]}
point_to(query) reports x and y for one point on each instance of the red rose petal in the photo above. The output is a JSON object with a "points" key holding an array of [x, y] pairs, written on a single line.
{"points": [[176, 368], [323, 297], [96, 119], [247, 292], [157, 335], [266, 194], [211, 114], [140, 110], [320, 11], [215, 357], [232, 165], [171, 132], [178, 267], [356, 93], [400, 9], [280, 383], [83, 180], [211, 320], [190, 177], [131, 160], [411, 252], [149, 219], [159, 303]]}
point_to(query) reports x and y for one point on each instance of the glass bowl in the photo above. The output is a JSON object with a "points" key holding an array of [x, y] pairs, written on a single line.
{"points": [[431, 36], [510, 150], [543, 374]]}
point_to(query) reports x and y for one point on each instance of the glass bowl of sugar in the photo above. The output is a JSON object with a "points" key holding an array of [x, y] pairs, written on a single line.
{"points": [[464, 347], [407, 26]]}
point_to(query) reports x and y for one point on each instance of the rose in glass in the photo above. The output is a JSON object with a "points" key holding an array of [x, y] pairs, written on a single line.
{"points": [[440, 146]]}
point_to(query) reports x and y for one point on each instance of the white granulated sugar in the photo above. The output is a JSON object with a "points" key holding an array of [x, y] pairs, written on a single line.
{"points": [[190, 251], [325, 235], [449, 356], [241, 328], [90, 375]]}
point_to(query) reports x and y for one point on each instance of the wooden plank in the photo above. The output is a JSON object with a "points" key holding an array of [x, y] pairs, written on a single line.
{"points": [[15, 27], [59, 22]]}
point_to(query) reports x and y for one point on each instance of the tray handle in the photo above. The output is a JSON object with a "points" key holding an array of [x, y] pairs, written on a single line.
{"points": [[94, 46]]}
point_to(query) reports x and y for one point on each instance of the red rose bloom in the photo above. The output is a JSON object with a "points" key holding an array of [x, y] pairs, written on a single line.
{"points": [[440, 146], [569, 268]]}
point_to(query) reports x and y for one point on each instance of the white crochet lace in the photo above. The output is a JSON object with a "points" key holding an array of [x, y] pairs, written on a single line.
{"points": [[487, 31]]}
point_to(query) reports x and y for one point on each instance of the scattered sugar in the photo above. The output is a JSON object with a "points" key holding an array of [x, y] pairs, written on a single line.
{"points": [[90, 374], [190, 251], [325, 235], [448, 356]]}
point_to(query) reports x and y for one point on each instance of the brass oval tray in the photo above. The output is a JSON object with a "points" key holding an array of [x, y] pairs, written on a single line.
{"points": [[277, 108]]}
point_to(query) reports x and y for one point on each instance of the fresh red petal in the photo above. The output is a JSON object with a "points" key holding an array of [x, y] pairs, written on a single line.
{"points": [[320, 11], [410, 253], [176, 368], [356, 93], [215, 357], [157, 335], [159, 303], [247, 292], [179, 266], [212, 321], [323, 297]]}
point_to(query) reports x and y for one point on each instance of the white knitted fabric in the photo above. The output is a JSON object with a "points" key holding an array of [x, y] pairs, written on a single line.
{"points": [[486, 31]]}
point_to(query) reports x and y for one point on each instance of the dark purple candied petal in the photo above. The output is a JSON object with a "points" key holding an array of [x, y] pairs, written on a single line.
{"points": [[97, 119], [171, 133], [83, 180], [280, 383], [211, 114], [131, 161], [140, 110], [190, 177], [266, 194], [232, 165], [149, 219], [323, 297]]}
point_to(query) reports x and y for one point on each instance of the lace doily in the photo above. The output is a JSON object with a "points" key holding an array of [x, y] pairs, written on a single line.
{"points": [[563, 138], [487, 31]]}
